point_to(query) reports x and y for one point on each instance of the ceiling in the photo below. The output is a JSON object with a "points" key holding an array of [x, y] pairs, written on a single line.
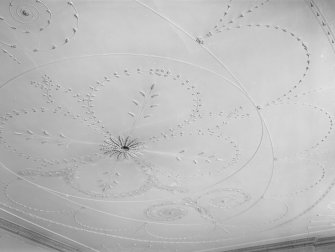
{"points": [[168, 125]]}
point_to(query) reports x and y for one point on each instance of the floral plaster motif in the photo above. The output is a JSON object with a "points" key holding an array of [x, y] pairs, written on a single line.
{"points": [[142, 143], [222, 146]]}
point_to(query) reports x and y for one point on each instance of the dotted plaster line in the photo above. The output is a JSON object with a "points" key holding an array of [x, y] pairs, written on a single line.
{"points": [[29, 207], [296, 38], [323, 22], [15, 113], [307, 188], [227, 24]]}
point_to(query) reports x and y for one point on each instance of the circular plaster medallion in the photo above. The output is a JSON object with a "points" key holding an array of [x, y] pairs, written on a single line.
{"points": [[167, 211], [26, 14], [31, 13]]}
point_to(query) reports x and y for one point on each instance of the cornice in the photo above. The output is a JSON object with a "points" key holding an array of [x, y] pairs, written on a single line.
{"points": [[36, 237], [299, 243]]}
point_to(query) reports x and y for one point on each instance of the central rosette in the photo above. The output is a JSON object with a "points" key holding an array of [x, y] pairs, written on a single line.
{"points": [[122, 147]]}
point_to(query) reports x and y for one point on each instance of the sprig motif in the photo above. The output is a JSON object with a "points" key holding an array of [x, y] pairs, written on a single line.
{"points": [[145, 106]]}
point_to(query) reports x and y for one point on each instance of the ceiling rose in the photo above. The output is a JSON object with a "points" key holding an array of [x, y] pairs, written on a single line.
{"points": [[122, 147]]}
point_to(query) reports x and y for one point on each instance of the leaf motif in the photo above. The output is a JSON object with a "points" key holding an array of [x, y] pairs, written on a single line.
{"points": [[44, 137]]}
